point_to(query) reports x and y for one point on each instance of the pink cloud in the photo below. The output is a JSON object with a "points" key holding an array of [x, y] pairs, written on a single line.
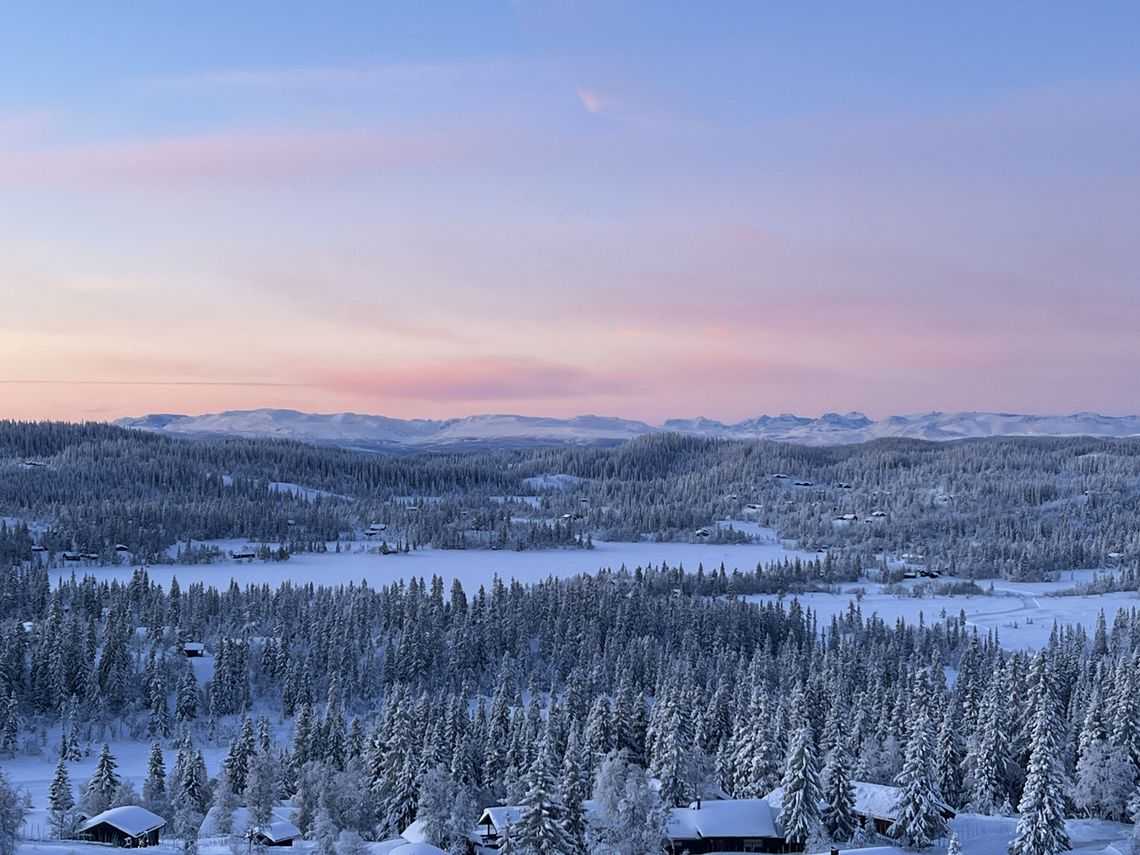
{"points": [[594, 101], [229, 157], [474, 380]]}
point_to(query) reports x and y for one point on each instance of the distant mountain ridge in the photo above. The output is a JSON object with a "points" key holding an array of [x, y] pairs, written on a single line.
{"points": [[352, 430]]}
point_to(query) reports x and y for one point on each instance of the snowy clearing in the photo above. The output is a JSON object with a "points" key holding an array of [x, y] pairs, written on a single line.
{"points": [[472, 567], [1018, 612]]}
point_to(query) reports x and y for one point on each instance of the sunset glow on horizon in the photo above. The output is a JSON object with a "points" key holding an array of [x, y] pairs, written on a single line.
{"points": [[557, 208]]}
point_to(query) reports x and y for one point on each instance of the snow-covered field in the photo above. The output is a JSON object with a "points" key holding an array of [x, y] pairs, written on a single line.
{"points": [[34, 774], [472, 567], [1019, 612]]}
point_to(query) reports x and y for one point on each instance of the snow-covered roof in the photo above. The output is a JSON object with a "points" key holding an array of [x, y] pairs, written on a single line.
{"points": [[416, 832], [129, 819], [500, 816], [280, 828], [875, 800], [722, 818], [418, 849]]}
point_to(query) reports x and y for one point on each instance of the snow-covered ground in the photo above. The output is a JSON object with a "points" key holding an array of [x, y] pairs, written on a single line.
{"points": [[309, 494], [1019, 611], [34, 774], [472, 567]]}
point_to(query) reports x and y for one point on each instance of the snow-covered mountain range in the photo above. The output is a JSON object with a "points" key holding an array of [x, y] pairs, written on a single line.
{"points": [[351, 430]]}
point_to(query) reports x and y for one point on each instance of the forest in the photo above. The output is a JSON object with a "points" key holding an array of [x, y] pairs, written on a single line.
{"points": [[1014, 508], [372, 708]]}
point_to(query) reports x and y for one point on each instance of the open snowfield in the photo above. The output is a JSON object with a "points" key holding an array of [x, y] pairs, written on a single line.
{"points": [[472, 567], [1020, 612], [34, 774]]}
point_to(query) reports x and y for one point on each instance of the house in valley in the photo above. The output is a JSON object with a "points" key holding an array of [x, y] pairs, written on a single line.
{"points": [[128, 825], [725, 825], [722, 825]]}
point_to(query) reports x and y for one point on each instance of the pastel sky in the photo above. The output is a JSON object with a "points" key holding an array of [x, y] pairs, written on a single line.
{"points": [[559, 207]]}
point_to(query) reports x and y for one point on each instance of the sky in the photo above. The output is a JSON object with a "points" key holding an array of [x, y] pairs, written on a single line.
{"points": [[553, 207]]}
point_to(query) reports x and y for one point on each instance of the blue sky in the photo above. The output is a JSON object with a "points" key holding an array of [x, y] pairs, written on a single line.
{"points": [[647, 209]]}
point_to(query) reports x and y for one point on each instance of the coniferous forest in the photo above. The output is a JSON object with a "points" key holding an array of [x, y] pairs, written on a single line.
{"points": [[594, 707], [1000, 508]]}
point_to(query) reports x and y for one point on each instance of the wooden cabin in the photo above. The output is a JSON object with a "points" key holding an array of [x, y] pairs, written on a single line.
{"points": [[725, 825], [128, 825]]}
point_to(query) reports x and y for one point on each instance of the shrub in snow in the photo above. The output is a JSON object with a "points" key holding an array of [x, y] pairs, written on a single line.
{"points": [[350, 843], [1105, 781]]}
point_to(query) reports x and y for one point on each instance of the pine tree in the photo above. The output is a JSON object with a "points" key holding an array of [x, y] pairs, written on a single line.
{"points": [[326, 832], [237, 760], [948, 759], [100, 790], [574, 789], [9, 724], [920, 821], [989, 754], [261, 787], [541, 828], [1041, 825], [186, 701], [799, 813], [61, 801], [225, 803], [154, 787], [839, 795]]}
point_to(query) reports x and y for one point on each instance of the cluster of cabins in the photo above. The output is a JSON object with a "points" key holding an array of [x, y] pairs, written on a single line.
{"points": [[132, 827], [705, 826], [721, 825]]}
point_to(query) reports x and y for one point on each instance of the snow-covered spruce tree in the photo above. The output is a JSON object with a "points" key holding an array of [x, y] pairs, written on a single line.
{"points": [[226, 801], [100, 789], [920, 821], [541, 828], [12, 812], [436, 795], [1041, 824], [989, 753], [325, 832], [838, 795], [193, 782], [186, 700], [799, 813], [261, 786], [61, 802], [948, 759], [154, 787], [237, 760], [574, 789]]}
